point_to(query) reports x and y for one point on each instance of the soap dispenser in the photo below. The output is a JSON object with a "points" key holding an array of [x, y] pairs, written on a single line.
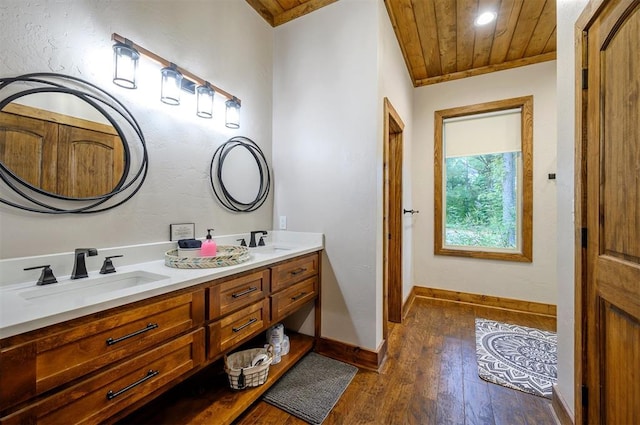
{"points": [[209, 247]]}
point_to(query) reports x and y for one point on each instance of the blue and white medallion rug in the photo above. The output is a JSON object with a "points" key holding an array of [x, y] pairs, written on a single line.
{"points": [[517, 357]]}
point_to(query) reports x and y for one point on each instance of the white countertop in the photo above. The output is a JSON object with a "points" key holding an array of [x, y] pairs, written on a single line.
{"points": [[25, 306]]}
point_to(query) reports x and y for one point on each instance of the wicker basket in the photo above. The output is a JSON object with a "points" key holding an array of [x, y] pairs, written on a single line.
{"points": [[228, 255], [240, 372]]}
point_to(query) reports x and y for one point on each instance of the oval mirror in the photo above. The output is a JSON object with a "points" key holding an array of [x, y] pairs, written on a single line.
{"points": [[61, 144], [67, 146]]}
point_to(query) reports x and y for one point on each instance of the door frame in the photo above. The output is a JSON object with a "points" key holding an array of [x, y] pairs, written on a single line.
{"points": [[392, 216]]}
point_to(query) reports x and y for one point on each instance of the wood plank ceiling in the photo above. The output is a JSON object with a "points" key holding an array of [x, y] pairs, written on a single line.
{"points": [[439, 40]]}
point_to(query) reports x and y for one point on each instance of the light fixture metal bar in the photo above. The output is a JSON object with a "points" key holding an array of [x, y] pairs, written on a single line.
{"points": [[162, 61]]}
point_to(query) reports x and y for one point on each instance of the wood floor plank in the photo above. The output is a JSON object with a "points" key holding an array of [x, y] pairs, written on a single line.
{"points": [[477, 404], [450, 385], [537, 412], [504, 402]]}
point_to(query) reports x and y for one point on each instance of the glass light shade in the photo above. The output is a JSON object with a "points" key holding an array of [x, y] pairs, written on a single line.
{"points": [[233, 113], [171, 84], [204, 101], [125, 61]]}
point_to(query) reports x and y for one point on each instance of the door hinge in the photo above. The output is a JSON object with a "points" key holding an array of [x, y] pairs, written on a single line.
{"points": [[585, 78], [585, 396], [584, 237]]}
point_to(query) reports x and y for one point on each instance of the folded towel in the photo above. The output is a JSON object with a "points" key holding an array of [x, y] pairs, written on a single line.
{"points": [[189, 243]]}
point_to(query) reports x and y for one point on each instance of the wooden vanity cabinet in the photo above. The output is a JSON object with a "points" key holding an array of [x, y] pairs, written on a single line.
{"points": [[101, 367], [60, 354], [97, 398]]}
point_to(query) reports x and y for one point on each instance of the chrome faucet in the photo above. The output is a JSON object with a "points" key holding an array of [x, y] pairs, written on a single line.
{"points": [[252, 242], [79, 265]]}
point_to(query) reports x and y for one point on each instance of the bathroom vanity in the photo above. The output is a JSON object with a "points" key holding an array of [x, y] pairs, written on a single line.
{"points": [[97, 367]]}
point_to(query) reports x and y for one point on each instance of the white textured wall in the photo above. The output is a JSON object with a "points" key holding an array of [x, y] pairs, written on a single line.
{"points": [[326, 113], [525, 281], [224, 41], [567, 14], [395, 84]]}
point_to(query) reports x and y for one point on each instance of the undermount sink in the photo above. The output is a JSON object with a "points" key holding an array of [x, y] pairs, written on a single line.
{"points": [[269, 249], [91, 286]]}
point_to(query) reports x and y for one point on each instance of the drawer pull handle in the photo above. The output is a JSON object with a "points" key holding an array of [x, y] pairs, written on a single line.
{"points": [[150, 326], [239, 328], [298, 271], [297, 297], [245, 292], [150, 374]]}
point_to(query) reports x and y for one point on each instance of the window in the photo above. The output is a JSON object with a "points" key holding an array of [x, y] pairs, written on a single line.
{"points": [[483, 180]]}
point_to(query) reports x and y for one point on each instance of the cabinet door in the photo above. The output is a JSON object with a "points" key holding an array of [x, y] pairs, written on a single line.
{"points": [[90, 163], [28, 149]]}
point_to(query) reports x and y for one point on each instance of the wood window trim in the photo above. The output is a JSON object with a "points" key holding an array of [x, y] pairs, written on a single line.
{"points": [[526, 104]]}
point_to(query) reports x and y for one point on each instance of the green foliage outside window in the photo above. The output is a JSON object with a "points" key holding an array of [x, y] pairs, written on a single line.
{"points": [[481, 200]]}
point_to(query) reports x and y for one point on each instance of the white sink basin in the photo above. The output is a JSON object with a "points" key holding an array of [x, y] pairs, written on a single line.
{"points": [[269, 249], [87, 287]]}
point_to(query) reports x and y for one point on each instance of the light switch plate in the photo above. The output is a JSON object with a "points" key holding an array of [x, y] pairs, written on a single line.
{"points": [[283, 222]]}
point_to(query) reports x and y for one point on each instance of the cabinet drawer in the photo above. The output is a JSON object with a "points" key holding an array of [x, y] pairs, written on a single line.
{"points": [[99, 397], [294, 271], [292, 298], [86, 346], [236, 293], [238, 327]]}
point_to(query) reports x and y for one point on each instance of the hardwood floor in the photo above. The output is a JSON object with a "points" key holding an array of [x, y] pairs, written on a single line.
{"points": [[430, 377]]}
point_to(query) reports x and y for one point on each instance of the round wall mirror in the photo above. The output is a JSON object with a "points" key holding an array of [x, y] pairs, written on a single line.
{"points": [[67, 146], [240, 175]]}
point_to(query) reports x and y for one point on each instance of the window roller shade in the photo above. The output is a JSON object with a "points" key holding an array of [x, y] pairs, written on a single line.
{"points": [[482, 134]]}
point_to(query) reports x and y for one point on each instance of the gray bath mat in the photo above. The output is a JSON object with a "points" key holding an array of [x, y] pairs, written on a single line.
{"points": [[517, 357], [311, 388]]}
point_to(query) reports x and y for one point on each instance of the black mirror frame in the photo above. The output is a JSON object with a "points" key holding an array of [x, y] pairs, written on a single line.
{"points": [[102, 101], [217, 182]]}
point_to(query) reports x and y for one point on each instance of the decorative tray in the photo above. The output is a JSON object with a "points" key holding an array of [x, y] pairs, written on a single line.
{"points": [[228, 255]]}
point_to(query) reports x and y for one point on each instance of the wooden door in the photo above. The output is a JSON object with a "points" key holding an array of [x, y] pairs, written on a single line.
{"points": [[612, 187], [392, 261], [90, 163], [28, 149]]}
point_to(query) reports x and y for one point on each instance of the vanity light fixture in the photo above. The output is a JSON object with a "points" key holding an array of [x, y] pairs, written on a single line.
{"points": [[485, 18], [125, 59], [174, 78], [204, 95], [171, 84], [232, 117]]}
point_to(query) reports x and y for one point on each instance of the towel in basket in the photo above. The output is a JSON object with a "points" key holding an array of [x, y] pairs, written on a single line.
{"points": [[240, 371]]}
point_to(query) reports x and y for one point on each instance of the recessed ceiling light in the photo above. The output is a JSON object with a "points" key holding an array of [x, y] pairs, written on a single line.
{"points": [[485, 18]]}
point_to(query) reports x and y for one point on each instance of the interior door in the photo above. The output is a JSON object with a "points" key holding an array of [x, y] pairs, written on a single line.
{"points": [[90, 163], [392, 261], [612, 290], [28, 149]]}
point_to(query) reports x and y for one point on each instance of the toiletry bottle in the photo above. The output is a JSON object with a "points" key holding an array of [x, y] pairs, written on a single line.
{"points": [[209, 247]]}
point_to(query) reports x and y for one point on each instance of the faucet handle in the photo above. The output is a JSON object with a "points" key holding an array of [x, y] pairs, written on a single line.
{"points": [[261, 241], [46, 277], [107, 266], [242, 242]]}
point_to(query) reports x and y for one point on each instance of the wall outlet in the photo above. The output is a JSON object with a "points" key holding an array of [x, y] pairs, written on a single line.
{"points": [[283, 222]]}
